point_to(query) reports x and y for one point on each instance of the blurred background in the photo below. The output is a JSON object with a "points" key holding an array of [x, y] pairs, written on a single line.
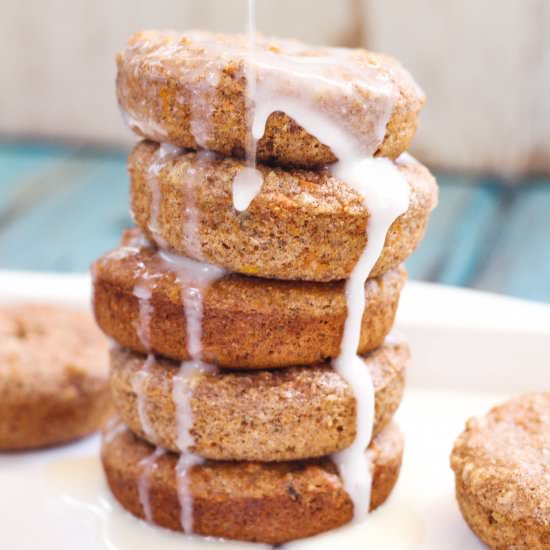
{"points": [[485, 131]]}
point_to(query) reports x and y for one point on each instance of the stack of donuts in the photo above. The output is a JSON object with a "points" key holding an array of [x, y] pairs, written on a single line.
{"points": [[253, 374]]}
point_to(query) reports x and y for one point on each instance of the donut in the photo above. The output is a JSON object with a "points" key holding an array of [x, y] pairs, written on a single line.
{"points": [[302, 225], [250, 501], [284, 414], [53, 376], [247, 322], [190, 90], [502, 467]]}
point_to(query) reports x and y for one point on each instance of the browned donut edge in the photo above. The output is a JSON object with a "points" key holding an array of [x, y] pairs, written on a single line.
{"points": [[248, 323], [259, 502], [284, 414]]}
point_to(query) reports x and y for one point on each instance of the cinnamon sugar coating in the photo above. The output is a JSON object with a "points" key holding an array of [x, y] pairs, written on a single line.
{"points": [[253, 501], [190, 90], [53, 376], [502, 468], [248, 323], [285, 414], [302, 225]]}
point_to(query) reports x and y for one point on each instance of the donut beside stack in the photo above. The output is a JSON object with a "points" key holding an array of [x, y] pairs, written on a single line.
{"points": [[501, 464], [228, 321]]}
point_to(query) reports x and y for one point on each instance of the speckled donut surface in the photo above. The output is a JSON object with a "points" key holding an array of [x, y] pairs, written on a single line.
{"points": [[502, 468], [253, 501], [283, 414]]}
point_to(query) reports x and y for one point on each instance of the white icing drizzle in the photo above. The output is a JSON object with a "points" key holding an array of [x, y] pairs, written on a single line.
{"points": [[195, 175], [194, 277], [191, 224], [146, 467], [146, 127], [248, 182], [385, 194], [112, 429], [246, 186], [293, 84], [138, 386], [161, 156], [331, 80], [186, 460], [143, 291], [299, 84], [202, 93], [130, 248]]}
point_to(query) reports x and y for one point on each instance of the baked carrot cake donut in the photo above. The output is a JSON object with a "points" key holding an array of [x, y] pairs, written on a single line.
{"points": [[302, 225], [191, 90], [502, 468], [253, 501], [267, 415], [53, 376], [246, 322]]}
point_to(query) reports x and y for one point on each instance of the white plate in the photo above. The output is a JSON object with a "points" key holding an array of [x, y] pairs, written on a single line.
{"points": [[470, 350]]}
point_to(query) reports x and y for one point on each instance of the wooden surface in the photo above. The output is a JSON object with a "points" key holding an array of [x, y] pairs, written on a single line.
{"points": [[61, 207]]}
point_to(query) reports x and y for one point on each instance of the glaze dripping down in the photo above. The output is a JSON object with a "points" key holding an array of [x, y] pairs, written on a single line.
{"points": [[316, 89], [249, 180], [194, 278], [147, 466], [386, 196], [378, 181], [162, 156], [293, 84]]}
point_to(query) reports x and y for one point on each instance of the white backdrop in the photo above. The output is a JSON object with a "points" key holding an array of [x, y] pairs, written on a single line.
{"points": [[484, 65]]}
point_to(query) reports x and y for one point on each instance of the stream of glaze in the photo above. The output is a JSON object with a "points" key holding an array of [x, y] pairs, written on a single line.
{"points": [[194, 277], [248, 182], [385, 194], [161, 157]]}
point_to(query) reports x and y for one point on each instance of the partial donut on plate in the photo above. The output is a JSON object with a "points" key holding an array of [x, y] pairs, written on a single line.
{"points": [[53, 376], [502, 468], [302, 225], [190, 89], [283, 414], [253, 501], [278, 323]]}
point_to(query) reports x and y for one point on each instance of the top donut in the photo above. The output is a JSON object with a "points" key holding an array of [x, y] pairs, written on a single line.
{"points": [[192, 90]]}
